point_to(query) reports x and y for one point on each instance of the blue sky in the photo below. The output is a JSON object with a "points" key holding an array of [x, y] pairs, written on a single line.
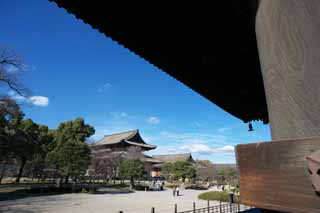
{"points": [[75, 71]]}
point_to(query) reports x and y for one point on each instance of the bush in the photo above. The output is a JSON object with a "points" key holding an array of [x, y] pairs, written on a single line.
{"points": [[216, 195], [140, 187], [119, 186], [171, 185]]}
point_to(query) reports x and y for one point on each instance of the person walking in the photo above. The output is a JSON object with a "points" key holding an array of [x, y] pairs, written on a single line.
{"points": [[174, 191], [177, 189]]}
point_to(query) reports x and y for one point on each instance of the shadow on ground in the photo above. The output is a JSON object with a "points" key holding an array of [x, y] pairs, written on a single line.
{"points": [[112, 191], [18, 192]]}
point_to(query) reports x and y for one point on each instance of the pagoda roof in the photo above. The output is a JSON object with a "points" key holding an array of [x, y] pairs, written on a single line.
{"points": [[130, 137], [209, 46]]}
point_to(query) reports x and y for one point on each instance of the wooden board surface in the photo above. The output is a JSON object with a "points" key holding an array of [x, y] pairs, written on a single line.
{"points": [[274, 175], [288, 36]]}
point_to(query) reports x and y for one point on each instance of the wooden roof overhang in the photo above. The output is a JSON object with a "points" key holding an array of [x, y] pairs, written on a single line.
{"points": [[209, 46]]}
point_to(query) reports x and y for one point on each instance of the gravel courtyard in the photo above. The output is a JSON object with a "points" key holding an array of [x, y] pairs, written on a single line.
{"points": [[138, 202]]}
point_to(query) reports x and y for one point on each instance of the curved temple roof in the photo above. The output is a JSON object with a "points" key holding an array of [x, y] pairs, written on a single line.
{"points": [[131, 137], [209, 46]]}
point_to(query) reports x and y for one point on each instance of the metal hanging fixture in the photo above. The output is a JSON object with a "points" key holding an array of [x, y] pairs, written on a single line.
{"points": [[250, 127]]}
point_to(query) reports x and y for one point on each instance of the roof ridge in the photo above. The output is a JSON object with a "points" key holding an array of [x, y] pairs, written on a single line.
{"points": [[119, 133]]}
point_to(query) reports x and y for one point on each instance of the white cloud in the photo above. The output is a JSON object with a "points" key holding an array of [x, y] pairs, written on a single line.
{"points": [[197, 143], [153, 120], [226, 148], [221, 130], [192, 138], [105, 87], [197, 148], [165, 150], [205, 149], [39, 101]]}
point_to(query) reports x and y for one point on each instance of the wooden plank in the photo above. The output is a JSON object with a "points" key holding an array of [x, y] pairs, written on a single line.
{"points": [[274, 175], [289, 50]]}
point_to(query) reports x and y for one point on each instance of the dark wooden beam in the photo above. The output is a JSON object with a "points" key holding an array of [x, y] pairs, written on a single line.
{"points": [[274, 175]]}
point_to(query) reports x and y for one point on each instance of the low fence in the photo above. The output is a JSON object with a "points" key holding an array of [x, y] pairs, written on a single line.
{"points": [[221, 208]]}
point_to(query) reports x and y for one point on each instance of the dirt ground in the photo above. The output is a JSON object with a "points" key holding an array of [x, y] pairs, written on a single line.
{"points": [[138, 202]]}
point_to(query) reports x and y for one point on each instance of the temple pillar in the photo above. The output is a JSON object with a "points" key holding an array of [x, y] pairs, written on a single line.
{"points": [[288, 36]]}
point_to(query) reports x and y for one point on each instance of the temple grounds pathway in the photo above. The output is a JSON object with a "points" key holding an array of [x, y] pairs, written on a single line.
{"points": [[138, 202]]}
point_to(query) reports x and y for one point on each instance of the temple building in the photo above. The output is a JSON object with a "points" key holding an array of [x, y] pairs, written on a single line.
{"points": [[122, 141], [126, 142], [131, 141]]}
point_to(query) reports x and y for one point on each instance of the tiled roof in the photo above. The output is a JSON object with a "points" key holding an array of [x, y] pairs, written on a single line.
{"points": [[116, 138], [130, 137]]}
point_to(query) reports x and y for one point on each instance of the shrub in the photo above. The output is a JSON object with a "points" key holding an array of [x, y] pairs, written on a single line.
{"points": [[216, 195], [140, 187], [171, 185]]}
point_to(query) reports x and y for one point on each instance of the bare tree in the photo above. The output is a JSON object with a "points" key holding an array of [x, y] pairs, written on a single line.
{"points": [[206, 170], [105, 164], [11, 67]]}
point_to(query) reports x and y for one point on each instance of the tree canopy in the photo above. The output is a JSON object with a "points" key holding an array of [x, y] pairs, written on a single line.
{"points": [[178, 170], [71, 154], [72, 158], [183, 170], [166, 170], [226, 175], [32, 145], [131, 169], [206, 170], [10, 117]]}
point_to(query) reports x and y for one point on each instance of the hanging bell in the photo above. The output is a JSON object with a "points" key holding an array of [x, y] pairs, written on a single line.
{"points": [[250, 127]]}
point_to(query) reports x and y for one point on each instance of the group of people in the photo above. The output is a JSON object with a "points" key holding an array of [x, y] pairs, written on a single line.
{"points": [[158, 185], [176, 191]]}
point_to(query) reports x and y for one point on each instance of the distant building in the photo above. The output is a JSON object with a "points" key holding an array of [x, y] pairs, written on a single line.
{"points": [[172, 158], [124, 141]]}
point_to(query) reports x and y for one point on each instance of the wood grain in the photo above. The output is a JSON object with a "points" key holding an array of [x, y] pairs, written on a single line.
{"points": [[288, 35], [274, 175]]}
